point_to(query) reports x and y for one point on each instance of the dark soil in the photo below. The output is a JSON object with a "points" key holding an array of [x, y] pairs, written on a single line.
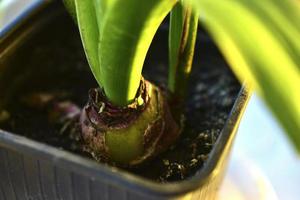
{"points": [[52, 64]]}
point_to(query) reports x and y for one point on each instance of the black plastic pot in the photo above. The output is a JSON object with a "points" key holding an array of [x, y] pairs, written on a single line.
{"points": [[30, 170]]}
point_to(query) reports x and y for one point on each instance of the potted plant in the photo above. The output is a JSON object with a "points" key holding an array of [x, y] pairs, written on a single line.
{"points": [[31, 170]]}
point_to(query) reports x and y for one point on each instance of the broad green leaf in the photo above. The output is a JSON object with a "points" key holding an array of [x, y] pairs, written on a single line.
{"points": [[89, 31], [261, 51], [279, 23], [100, 7], [127, 31]]}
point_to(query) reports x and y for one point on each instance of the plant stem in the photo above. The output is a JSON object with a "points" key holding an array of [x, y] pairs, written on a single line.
{"points": [[182, 39]]}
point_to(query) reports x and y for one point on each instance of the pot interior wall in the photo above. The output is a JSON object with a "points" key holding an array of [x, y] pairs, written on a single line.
{"points": [[51, 62]]}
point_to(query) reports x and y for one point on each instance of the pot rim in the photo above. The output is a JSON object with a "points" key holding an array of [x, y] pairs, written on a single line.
{"points": [[109, 174], [19, 17]]}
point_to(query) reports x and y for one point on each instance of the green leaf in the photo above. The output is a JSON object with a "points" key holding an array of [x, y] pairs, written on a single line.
{"points": [[100, 7], [126, 34], [175, 33], [182, 39], [260, 41], [275, 19], [89, 31]]}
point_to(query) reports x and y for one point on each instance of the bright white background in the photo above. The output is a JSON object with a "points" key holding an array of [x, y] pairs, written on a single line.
{"points": [[263, 164], [262, 155], [9, 9]]}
